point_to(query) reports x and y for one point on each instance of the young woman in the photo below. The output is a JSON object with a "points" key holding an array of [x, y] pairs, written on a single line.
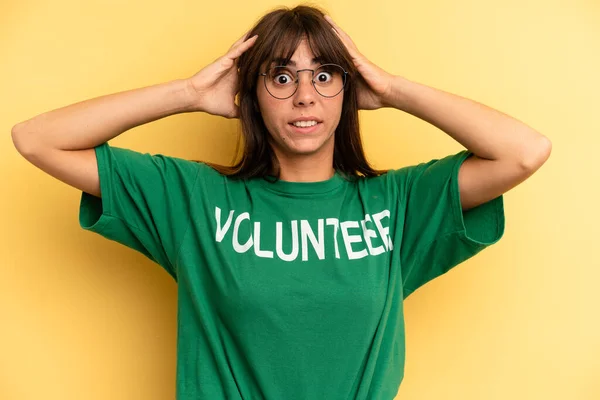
{"points": [[292, 265]]}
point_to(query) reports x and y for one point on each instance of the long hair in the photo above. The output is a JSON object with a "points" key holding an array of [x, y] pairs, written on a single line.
{"points": [[279, 34]]}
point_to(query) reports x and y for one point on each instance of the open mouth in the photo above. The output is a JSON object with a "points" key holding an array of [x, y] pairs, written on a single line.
{"points": [[307, 128]]}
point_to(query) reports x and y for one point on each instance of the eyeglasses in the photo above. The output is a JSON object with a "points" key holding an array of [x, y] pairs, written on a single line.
{"points": [[282, 82]]}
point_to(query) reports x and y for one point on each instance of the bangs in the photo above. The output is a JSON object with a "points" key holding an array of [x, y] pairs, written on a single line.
{"points": [[279, 35], [285, 37]]}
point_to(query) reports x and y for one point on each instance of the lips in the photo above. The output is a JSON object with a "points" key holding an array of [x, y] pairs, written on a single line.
{"points": [[308, 129], [314, 123], [309, 118]]}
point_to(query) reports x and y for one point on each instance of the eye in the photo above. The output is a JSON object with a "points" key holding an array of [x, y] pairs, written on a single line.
{"points": [[323, 77], [282, 78]]}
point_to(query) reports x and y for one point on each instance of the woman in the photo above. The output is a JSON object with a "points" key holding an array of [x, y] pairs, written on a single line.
{"points": [[293, 264]]}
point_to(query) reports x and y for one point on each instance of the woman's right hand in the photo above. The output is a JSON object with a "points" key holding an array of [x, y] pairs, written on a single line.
{"points": [[215, 86]]}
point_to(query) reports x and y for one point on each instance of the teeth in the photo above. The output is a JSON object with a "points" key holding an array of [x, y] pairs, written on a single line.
{"points": [[304, 124]]}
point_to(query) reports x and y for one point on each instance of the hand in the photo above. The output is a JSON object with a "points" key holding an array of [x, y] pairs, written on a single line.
{"points": [[215, 86], [374, 84]]}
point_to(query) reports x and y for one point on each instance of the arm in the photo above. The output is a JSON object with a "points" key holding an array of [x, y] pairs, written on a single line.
{"points": [[61, 142], [89, 123], [506, 150]]}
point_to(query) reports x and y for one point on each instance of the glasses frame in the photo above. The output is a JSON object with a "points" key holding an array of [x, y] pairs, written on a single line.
{"points": [[312, 80]]}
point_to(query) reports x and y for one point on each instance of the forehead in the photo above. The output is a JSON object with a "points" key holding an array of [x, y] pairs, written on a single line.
{"points": [[302, 54], [283, 61]]}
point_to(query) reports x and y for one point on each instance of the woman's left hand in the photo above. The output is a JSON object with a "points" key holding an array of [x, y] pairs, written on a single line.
{"points": [[374, 85]]}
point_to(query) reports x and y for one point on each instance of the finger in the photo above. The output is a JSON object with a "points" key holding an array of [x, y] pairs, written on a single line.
{"points": [[235, 113], [343, 35], [335, 26], [345, 38], [241, 48], [240, 40]]}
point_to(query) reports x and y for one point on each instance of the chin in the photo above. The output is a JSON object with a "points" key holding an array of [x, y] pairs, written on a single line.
{"points": [[300, 150], [306, 146], [306, 151]]}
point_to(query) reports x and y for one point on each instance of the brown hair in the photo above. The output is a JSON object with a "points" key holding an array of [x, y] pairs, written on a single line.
{"points": [[279, 34]]}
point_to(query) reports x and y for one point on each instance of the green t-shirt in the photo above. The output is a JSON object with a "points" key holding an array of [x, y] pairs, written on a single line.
{"points": [[289, 290]]}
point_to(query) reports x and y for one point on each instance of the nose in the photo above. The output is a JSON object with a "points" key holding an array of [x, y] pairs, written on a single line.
{"points": [[305, 94]]}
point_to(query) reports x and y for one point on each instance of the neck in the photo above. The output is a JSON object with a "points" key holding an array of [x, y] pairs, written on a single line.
{"points": [[303, 168]]}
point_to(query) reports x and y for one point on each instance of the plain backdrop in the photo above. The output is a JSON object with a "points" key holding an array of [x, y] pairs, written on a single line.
{"points": [[85, 318]]}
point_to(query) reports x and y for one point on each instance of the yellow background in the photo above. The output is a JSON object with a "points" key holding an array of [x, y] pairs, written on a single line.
{"points": [[85, 318]]}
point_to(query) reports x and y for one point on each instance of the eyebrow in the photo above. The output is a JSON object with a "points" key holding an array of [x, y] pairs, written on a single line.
{"points": [[282, 61]]}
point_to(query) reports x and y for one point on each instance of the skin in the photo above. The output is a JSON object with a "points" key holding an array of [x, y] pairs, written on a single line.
{"points": [[303, 157], [505, 150]]}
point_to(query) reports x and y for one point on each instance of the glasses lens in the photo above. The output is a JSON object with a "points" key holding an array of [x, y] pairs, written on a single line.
{"points": [[280, 82], [328, 81]]}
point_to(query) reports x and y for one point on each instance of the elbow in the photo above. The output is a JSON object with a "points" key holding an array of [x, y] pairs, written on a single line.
{"points": [[18, 134], [538, 154], [15, 134]]}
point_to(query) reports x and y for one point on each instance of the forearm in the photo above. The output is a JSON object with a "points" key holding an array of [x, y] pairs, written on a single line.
{"points": [[92, 122], [484, 131]]}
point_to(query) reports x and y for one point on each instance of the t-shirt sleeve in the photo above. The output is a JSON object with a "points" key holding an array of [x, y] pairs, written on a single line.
{"points": [[145, 203], [438, 234]]}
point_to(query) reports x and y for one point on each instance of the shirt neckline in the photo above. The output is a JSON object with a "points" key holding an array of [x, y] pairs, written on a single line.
{"points": [[288, 187]]}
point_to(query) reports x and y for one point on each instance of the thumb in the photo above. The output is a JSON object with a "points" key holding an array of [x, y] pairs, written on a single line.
{"points": [[235, 114]]}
